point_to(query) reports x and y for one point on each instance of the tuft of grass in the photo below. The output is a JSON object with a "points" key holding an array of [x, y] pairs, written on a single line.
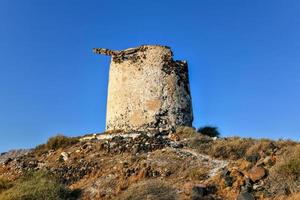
{"points": [[150, 190], [186, 131], [39, 185], [54, 143], [232, 148], [5, 184], [210, 131], [198, 173]]}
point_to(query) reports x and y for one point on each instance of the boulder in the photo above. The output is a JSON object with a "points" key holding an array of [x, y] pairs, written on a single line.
{"points": [[257, 173]]}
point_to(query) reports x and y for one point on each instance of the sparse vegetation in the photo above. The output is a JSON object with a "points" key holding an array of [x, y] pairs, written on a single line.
{"points": [[198, 173], [200, 143], [186, 132], [289, 163], [56, 142], [229, 148], [150, 190], [210, 131], [232, 148], [166, 172], [5, 184], [260, 146], [285, 174], [292, 197], [39, 185]]}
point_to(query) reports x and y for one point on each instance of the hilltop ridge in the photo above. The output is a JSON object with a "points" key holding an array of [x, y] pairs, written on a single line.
{"points": [[184, 165]]}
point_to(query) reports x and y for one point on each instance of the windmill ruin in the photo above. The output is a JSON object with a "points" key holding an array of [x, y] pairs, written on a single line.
{"points": [[147, 90]]}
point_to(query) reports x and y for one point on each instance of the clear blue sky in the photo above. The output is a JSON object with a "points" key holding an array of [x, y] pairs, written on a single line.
{"points": [[244, 59]]}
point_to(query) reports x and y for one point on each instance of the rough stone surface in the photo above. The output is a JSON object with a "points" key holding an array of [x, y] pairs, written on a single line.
{"points": [[245, 196], [6, 157], [147, 90], [257, 173]]}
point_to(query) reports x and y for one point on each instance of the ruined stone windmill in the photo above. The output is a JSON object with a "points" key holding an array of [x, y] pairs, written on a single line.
{"points": [[147, 90]]}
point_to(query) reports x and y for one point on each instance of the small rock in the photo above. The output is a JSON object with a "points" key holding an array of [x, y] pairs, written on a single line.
{"points": [[198, 193], [245, 196], [247, 187], [268, 161], [253, 158], [40, 165], [257, 173], [176, 145], [174, 137], [65, 156], [257, 186], [8, 160], [135, 149], [228, 181], [245, 165], [272, 146]]}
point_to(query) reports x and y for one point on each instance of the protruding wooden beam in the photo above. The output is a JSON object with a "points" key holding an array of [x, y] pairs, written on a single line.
{"points": [[107, 52]]}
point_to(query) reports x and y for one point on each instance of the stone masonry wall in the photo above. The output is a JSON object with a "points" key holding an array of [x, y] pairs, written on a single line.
{"points": [[147, 90]]}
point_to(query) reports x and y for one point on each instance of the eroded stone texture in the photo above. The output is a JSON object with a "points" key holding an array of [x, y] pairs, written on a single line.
{"points": [[147, 90]]}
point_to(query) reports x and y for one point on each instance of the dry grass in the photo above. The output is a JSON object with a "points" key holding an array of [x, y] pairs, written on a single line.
{"points": [[186, 132], [260, 147], [5, 184], [295, 196], [236, 148], [289, 165], [200, 143], [54, 143], [284, 178], [150, 190], [197, 173], [232, 148]]}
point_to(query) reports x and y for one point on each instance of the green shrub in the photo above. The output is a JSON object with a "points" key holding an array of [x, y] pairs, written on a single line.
{"points": [[38, 185], [150, 190], [60, 141], [56, 142], [209, 131]]}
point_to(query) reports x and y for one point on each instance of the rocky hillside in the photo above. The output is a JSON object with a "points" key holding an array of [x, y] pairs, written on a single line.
{"points": [[185, 165]]}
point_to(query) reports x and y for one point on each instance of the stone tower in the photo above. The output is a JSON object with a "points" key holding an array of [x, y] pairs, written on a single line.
{"points": [[147, 90]]}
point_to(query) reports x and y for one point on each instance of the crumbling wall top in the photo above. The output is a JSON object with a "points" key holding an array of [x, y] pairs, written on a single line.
{"points": [[110, 52]]}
